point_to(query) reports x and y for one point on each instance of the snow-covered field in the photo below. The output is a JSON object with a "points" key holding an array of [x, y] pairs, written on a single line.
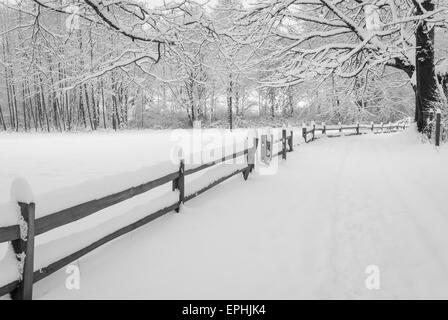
{"points": [[64, 170], [333, 208]]}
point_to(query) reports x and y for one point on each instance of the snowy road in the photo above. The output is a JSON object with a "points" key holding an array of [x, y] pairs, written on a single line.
{"points": [[333, 208]]}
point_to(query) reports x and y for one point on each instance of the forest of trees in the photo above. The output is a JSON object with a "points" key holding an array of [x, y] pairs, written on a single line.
{"points": [[68, 65]]}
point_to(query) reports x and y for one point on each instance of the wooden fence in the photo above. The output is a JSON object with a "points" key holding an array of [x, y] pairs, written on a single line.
{"points": [[356, 129], [23, 245]]}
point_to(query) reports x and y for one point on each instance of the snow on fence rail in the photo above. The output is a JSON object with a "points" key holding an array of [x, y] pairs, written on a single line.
{"points": [[357, 128], [22, 238]]}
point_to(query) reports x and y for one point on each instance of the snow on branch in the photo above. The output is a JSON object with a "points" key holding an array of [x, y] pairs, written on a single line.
{"points": [[323, 37]]}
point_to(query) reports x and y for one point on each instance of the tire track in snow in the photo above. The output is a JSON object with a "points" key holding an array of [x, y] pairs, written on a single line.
{"points": [[360, 219], [347, 263], [335, 159]]}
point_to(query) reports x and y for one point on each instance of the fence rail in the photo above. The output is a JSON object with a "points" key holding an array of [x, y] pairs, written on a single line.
{"points": [[23, 245], [372, 127]]}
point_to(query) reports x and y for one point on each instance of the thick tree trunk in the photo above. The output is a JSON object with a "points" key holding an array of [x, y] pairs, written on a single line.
{"points": [[426, 85]]}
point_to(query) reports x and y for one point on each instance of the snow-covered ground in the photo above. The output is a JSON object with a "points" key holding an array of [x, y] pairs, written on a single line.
{"points": [[336, 206], [64, 170]]}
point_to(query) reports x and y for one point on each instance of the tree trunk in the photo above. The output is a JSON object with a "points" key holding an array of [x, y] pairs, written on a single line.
{"points": [[426, 85], [2, 120], [229, 102], [25, 125], [104, 105], [88, 107], [272, 101], [95, 109], [237, 100], [10, 104], [32, 117], [16, 111], [81, 112]]}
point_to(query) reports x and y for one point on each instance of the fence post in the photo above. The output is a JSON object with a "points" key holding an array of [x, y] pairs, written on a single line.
{"points": [[284, 144], [438, 125], [251, 158], [431, 119], [179, 183], [24, 249], [324, 130], [314, 130], [291, 141], [357, 128], [248, 157], [263, 148]]}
